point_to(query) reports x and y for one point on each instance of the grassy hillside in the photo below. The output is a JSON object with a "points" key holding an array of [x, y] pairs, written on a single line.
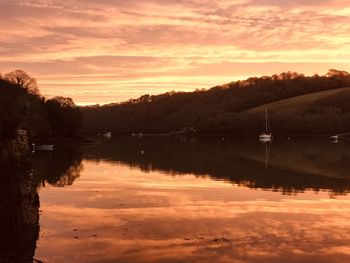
{"points": [[298, 102], [319, 112]]}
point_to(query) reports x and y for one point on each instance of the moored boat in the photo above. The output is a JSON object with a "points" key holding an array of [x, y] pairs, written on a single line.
{"points": [[107, 135], [267, 135]]}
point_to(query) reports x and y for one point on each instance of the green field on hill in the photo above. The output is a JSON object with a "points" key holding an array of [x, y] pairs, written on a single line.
{"points": [[298, 102]]}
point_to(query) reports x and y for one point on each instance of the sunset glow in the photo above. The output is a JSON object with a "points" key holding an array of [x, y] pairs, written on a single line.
{"points": [[102, 51]]}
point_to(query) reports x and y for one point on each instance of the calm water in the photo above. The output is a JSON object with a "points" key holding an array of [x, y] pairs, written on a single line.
{"points": [[182, 200]]}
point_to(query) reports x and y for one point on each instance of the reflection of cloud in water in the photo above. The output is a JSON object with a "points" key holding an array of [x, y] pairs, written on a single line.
{"points": [[241, 237], [124, 215]]}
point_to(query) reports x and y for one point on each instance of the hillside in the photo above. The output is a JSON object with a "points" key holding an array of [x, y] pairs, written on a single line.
{"points": [[234, 107], [319, 112], [298, 102]]}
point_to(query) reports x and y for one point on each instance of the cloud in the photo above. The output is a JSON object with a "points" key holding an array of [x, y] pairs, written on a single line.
{"points": [[150, 41], [303, 3]]}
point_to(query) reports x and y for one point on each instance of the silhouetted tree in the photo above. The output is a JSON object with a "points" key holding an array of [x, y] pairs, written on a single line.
{"points": [[63, 115], [337, 73], [19, 109], [22, 79], [21, 106]]}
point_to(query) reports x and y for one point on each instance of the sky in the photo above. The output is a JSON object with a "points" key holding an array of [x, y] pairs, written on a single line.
{"points": [[103, 51]]}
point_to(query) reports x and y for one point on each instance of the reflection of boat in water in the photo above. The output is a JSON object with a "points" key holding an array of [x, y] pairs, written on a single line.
{"points": [[267, 135], [267, 154]]}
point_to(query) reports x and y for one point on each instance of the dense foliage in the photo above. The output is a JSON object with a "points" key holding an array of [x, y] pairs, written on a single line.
{"points": [[63, 116], [22, 106], [223, 108]]}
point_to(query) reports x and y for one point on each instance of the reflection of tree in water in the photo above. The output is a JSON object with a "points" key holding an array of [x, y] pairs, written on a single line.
{"points": [[292, 167], [68, 177], [58, 168], [19, 221]]}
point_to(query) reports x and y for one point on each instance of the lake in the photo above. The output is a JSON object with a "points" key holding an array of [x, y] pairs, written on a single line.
{"points": [[181, 199]]}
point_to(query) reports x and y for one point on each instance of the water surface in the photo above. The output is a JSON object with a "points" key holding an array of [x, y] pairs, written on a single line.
{"points": [[187, 199]]}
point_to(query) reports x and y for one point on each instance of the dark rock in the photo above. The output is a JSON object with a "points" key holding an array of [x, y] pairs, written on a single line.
{"points": [[16, 151]]}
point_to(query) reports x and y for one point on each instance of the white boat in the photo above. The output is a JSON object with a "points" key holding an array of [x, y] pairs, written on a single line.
{"points": [[107, 135], [44, 147], [335, 138], [267, 135]]}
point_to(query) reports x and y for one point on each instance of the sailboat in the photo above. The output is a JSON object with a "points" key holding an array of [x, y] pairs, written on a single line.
{"points": [[335, 138], [267, 135], [107, 135]]}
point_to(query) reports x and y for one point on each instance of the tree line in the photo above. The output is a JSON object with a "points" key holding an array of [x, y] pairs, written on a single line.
{"points": [[222, 108], [219, 109], [23, 107]]}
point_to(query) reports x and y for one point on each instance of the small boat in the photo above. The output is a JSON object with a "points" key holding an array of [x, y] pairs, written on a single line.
{"points": [[44, 147], [335, 138], [267, 135], [140, 135], [107, 135]]}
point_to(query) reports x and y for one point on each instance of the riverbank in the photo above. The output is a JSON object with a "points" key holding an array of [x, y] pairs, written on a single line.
{"points": [[63, 142]]}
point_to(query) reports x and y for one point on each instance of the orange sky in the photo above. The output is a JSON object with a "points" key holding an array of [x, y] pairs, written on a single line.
{"points": [[101, 51]]}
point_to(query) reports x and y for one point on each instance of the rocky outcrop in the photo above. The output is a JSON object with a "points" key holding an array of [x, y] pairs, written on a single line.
{"points": [[16, 150], [19, 223]]}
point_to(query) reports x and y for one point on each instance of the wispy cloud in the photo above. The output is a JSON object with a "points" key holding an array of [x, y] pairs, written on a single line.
{"points": [[159, 42]]}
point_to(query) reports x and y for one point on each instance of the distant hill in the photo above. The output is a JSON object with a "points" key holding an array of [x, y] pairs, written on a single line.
{"points": [[297, 103]]}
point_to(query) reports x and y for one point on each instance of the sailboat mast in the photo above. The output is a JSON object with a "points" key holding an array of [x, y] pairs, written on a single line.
{"points": [[266, 157], [266, 124]]}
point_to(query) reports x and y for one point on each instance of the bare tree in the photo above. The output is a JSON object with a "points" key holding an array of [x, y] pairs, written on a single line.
{"points": [[21, 78], [63, 101], [337, 73]]}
